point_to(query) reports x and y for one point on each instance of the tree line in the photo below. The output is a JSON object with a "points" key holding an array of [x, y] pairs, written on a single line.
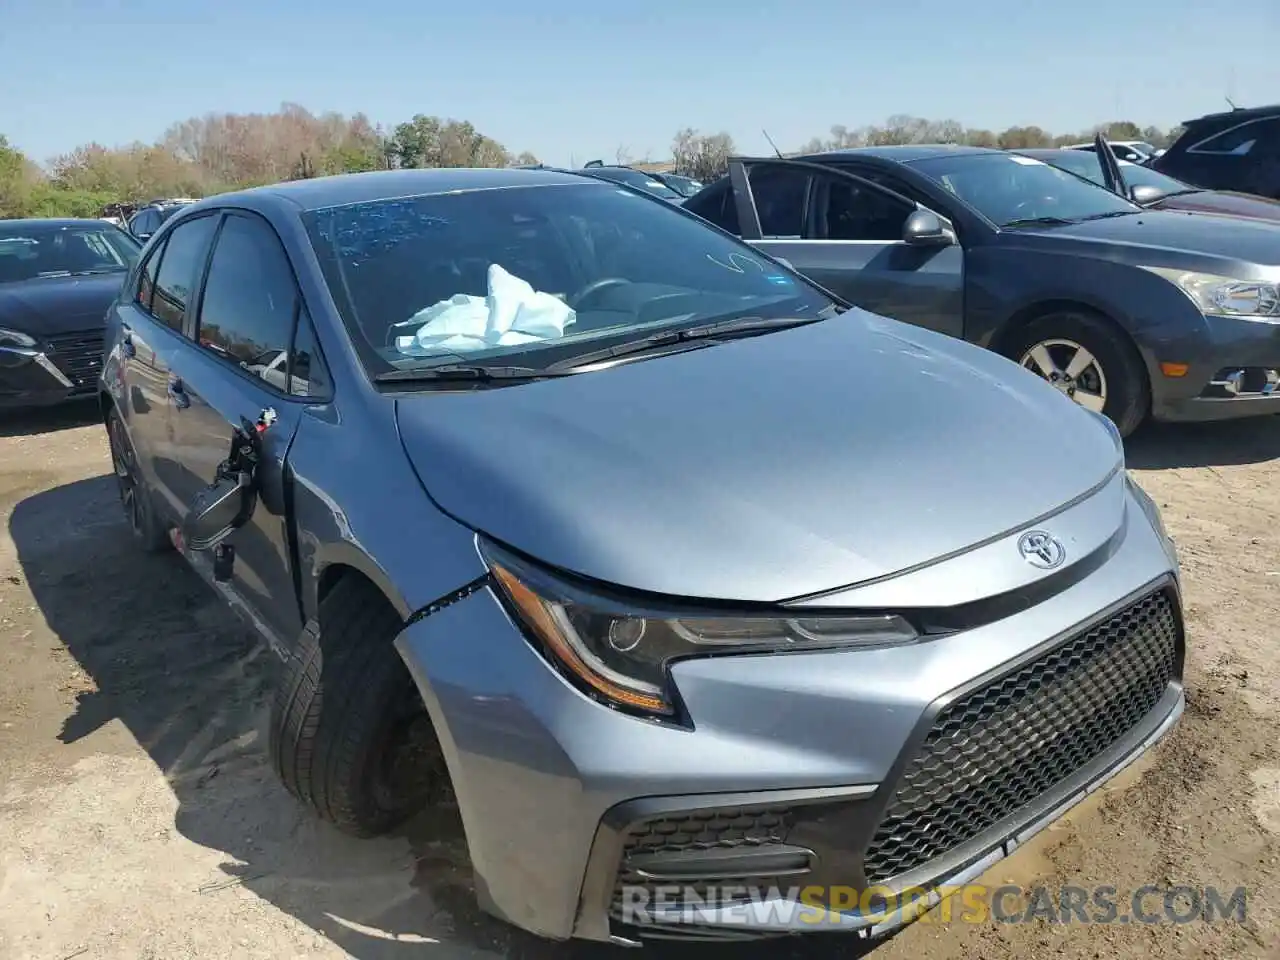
{"points": [[219, 152]]}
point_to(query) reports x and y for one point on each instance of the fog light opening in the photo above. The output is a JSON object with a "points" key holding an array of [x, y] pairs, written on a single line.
{"points": [[1232, 382]]}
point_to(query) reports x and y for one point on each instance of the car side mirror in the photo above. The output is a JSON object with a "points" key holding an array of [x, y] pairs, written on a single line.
{"points": [[924, 228], [1144, 194]]}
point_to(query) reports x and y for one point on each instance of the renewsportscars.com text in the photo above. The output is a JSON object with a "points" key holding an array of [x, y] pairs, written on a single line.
{"points": [[798, 907]]}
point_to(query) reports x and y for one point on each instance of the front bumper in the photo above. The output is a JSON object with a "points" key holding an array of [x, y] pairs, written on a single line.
{"points": [[63, 369], [1226, 354], [820, 768]]}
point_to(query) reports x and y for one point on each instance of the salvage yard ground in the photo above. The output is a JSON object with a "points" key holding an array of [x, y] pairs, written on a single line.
{"points": [[138, 818]]}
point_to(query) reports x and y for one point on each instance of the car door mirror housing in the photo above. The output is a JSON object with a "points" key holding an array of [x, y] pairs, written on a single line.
{"points": [[1145, 194], [228, 503], [218, 511], [924, 228]]}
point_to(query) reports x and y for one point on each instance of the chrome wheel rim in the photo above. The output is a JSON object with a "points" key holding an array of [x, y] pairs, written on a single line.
{"points": [[126, 484], [1071, 369]]}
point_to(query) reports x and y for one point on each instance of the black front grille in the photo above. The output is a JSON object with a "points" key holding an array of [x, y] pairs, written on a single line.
{"points": [[79, 356], [995, 750], [727, 828]]}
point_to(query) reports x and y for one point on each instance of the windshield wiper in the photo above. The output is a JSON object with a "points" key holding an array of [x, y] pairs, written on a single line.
{"points": [[1109, 215], [1039, 222], [478, 373], [723, 329]]}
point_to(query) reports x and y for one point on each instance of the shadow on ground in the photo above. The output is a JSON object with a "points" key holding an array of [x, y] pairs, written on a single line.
{"points": [[30, 423], [1166, 446], [190, 684]]}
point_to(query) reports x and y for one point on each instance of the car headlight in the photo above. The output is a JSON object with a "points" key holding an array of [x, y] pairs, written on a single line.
{"points": [[1225, 296], [622, 656], [15, 338]]}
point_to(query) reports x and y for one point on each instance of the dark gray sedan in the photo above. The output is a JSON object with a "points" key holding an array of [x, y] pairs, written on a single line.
{"points": [[1129, 311]]}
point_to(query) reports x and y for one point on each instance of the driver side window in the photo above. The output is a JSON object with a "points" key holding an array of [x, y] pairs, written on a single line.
{"points": [[246, 316], [848, 210]]}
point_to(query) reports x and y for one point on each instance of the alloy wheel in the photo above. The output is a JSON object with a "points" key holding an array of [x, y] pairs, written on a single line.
{"points": [[1071, 369]]}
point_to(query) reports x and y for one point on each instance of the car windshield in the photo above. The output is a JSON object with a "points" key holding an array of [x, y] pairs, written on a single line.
{"points": [[638, 179], [682, 185], [1137, 175], [1008, 188], [1088, 165], [542, 273], [33, 250]]}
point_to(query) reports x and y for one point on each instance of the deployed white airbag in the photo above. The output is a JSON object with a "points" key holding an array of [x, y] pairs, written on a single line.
{"points": [[512, 313]]}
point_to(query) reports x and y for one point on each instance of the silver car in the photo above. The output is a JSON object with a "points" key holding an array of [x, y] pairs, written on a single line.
{"points": [[633, 536]]}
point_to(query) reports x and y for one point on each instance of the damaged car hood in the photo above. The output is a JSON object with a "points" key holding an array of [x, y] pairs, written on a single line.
{"points": [[762, 469]]}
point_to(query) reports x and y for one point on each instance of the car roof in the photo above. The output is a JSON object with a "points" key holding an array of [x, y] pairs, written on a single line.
{"points": [[49, 221], [1238, 115], [318, 193], [904, 153]]}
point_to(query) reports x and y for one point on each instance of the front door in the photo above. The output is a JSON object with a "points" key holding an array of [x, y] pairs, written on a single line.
{"points": [[847, 234], [249, 307]]}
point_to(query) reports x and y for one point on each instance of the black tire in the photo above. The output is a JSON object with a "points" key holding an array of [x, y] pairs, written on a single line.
{"points": [[349, 735], [135, 497], [1128, 393]]}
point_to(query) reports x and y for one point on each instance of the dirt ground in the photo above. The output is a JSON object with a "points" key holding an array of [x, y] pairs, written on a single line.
{"points": [[138, 818]]}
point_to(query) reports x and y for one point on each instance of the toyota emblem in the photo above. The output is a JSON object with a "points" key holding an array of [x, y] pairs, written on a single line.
{"points": [[1042, 550]]}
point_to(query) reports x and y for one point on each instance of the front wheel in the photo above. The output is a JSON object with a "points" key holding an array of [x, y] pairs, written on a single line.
{"points": [[1088, 360], [349, 735]]}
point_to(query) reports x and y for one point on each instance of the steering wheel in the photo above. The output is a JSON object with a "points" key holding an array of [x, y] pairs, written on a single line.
{"points": [[594, 287]]}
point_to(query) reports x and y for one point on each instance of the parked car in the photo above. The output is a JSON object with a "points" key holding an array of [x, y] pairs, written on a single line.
{"points": [[117, 214], [1134, 151], [1154, 190], [1131, 312], [1234, 150], [526, 393], [639, 179], [57, 278], [685, 186], [146, 221]]}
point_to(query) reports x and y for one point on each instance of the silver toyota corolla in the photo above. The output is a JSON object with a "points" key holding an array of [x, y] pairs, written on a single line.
{"points": [[714, 597]]}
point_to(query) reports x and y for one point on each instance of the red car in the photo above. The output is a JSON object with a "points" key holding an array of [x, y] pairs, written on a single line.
{"points": [[1150, 188]]}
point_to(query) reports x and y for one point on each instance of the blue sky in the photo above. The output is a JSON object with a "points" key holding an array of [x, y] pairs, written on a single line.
{"points": [[575, 79]]}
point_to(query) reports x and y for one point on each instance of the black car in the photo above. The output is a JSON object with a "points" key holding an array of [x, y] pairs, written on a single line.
{"points": [[685, 186], [638, 179], [1233, 150], [1131, 312], [1155, 190], [151, 215], [57, 279]]}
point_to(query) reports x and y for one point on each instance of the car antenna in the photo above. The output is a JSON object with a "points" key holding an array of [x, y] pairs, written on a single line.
{"points": [[1231, 102], [772, 144]]}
